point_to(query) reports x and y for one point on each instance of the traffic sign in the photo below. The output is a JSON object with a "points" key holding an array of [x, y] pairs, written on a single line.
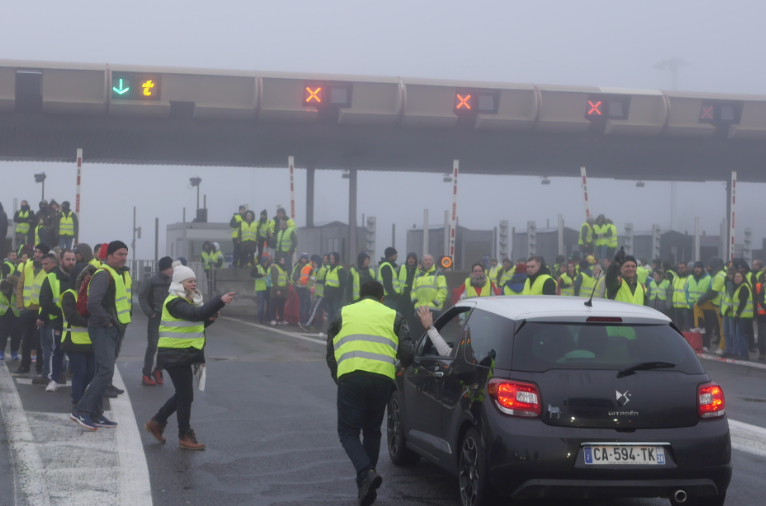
{"points": [[132, 86], [332, 95]]}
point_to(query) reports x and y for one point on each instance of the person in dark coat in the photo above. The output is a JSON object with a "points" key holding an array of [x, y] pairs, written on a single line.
{"points": [[82, 361], [3, 231], [151, 298], [184, 303]]}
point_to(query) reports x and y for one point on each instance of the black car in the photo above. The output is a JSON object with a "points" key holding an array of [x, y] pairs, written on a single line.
{"points": [[544, 397]]}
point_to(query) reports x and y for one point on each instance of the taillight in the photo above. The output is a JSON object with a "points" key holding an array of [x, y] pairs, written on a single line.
{"points": [[516, 398], [710, 401]]}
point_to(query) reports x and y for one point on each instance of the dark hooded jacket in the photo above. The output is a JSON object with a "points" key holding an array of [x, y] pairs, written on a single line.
{"points": [[549, 287], [181, 309], [365, 274], [386, 280], [516, 283], [50, 313]]}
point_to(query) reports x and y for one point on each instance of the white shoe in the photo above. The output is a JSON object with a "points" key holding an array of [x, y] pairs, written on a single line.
{"points": [[701, 330], [283, 322], [52, 387], [273, 322], [720, 352], [704, 348], [322, 334]]}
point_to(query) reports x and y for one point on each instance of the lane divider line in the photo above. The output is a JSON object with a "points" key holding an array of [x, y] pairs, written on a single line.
{"points": [[29, 487], [135, 486], [321, 342], [748, 438]]}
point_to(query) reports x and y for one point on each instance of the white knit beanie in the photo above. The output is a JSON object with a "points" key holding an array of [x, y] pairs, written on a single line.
{"points": [[181, 273]]}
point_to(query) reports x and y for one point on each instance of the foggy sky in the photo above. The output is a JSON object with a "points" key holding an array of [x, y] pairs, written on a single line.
{"points": [[602, 43]]}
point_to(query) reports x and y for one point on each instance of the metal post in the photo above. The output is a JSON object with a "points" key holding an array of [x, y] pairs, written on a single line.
{"points": [[747, 250], [629, 238], [184, 215], [43, 190], [453, 223], [310, 196], [425, 232], [697, 239], [79, 178], [531, 238], [732, 215], [584, 184], [673, 200], [656, 237], [204, 202], [133, 243], [561, 235], [393, 235], [197, 197], [352, 183], [446, 233], [156, 239], [291, 164]]}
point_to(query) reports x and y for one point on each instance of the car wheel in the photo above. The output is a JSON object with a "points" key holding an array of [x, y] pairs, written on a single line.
{"points": [[397, 446], [474, 485]]}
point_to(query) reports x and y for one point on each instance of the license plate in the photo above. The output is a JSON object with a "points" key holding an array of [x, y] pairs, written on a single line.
{"points": [[624, 455]]}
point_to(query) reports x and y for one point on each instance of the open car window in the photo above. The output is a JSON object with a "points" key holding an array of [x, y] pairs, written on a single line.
{"points": [[450, 325]]}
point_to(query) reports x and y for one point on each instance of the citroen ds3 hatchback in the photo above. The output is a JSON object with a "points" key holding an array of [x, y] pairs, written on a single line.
{"points": [[545, 397]]}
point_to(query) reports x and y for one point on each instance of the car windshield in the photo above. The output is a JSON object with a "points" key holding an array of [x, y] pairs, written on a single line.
{"points": [[540, 347]]}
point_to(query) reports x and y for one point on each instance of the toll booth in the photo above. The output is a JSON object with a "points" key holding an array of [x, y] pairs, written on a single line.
{"points": [[676, 247], [333, 237], [470, 245], [186, 239], [546, 244]]}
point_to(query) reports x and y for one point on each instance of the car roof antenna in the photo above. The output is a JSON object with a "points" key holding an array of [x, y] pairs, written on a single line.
{"points": [[589, 302]]}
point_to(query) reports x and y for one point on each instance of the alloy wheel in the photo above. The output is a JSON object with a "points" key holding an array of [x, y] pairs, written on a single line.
{"points": [[394, 426], [469, 472]]}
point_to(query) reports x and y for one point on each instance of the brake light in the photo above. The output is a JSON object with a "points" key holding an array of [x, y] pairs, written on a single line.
{"points": [[710, 401], [604, 319], [516, 398]]}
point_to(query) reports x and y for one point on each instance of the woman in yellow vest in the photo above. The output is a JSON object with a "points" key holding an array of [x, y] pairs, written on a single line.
{"points": [[740, 315], [478, 284], [74, 337], [279, 290], [567, 279], [622, 282], [182, 345]]}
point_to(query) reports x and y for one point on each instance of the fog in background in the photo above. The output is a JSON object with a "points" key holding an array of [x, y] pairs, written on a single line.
{"points": [[575, 43]]}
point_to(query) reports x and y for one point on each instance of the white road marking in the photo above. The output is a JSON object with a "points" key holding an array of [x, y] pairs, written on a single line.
{"points": [[135, 487], [748, 438], [29, 478], [320, 341], [716, 358]]}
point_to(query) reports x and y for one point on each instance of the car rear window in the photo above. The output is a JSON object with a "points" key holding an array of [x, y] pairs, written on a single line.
{"points": [[539, 347]]}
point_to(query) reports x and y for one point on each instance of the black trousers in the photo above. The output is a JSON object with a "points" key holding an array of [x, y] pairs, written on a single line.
{"points": [[152, 338], [181, 402], [30, 336], [10, 327], [235, 256], [362, 404]]}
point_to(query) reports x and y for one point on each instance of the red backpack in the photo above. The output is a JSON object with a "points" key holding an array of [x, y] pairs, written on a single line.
{"points": [[82, 300]]}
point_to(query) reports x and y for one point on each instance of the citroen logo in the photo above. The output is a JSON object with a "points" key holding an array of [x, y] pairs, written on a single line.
{"points": [[622, 398]]}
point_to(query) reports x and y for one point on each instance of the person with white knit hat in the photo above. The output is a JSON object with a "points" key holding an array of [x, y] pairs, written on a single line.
{"points": [[182, 345]]}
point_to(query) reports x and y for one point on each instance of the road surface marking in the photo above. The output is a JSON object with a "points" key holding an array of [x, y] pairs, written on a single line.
{"points": [[748, 438], [135, 486], [716, 358], [321, 342], [29, 486]]}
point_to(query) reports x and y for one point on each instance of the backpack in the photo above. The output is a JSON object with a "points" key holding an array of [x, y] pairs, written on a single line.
{"points": [[82, 300]]}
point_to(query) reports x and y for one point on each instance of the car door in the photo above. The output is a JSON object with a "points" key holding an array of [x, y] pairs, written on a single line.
{"points": [[423, 382]]}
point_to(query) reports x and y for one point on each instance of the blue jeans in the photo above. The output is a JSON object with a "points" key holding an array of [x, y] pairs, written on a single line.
{"points": [[57, 359], [83, 368], [105, 340], [263, 306], [333, 306], [737, 326], [304, 297], [46, 339], [65, 242]]}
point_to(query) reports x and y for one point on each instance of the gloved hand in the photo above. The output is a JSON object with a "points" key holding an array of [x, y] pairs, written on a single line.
{"points": [[620, 256]]}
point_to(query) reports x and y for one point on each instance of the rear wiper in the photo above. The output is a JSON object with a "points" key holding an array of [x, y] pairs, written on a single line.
{"points": [[644, 366]]}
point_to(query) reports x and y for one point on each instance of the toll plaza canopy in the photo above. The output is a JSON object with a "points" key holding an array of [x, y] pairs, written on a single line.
{"points": [[180, 116]]}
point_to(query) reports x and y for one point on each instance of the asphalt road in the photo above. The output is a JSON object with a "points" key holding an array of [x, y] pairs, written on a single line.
{"points": [[268, 420]]}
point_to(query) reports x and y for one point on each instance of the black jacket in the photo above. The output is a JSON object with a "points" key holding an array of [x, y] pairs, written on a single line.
{"points": [[332, 293], [3, 223], [69, 307], [386, 279], [549, 287], [405, 351], [47, 306], [181, 309], [153, 294]]}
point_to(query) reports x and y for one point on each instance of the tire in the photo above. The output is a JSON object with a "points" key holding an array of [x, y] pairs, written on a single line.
{"points": [[717, 500], [475, 489], [397, 445]]}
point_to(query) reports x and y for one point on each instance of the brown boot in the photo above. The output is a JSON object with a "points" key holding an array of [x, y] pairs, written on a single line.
{"points": [[189, 441], [155, 429]]}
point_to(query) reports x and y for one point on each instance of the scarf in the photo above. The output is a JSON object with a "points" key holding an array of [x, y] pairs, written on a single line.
{"points": [[178, 289], [479, 281]]}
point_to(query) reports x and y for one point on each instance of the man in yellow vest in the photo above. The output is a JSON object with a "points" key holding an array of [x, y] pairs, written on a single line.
{"points": [[109, 318], [585, 239], [8, 266], [9, 317], [50, 319], [364, 342], [359, 274], [613, 240], [708, 306], [248, 239], [430, 287], [31, 275], [262, 288], [600, 230], [234, 225], [539, 280], [622, 282], [286, 242], [682, 315], [67, 226], [698, 284], [494, 267], [23, 218], [388, 275]]}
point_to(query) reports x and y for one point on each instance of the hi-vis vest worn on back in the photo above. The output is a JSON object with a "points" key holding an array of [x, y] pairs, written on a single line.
{"points": [[366, 341], [78, 335]]}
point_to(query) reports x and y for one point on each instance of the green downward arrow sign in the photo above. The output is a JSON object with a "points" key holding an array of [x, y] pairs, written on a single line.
{"points": [[122, 89]]}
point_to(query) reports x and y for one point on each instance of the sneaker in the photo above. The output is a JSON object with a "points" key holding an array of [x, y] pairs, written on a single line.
{"points": [[701, 330], [148, 381], [155, 429], [104, 422], [109, 394], [273, 322], [14, 355], [189, 441], [368, 489], [705, 349], [115, 390], [20, 371], [52, 387], [321, 334], [82, 420], [283, 322], [40, 380], [720, 352], [158, 378]]}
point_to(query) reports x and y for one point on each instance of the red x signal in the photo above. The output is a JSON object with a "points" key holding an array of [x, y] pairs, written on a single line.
{"points": [[595, 108], [463, 102], [707, 112], [313, 95]]}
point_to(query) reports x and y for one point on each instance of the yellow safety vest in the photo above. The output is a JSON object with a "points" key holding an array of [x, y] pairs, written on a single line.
{"points": [[285, 240], [471, 292], [66, 225], [178, 333], [121, 301], [210, 259], [6, 304], [601, 229], [281, 275], [319, 283], [394, 279], [331, 278], [698, 288], [95, 262], [261, 285], [493, 274], [588, 234], [37, 234], [32, 284], [586, 287], [430, 289], [748, 311], [235, 231], [719, 285], [355, 281], [11, 269], [507, 275], [613, 238], [537, 288], [658, 291], [679, 291], [249, 231], [366, 341], [78, 335], [53, 280], [23, 227], [624, 295], [565, 279]]}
